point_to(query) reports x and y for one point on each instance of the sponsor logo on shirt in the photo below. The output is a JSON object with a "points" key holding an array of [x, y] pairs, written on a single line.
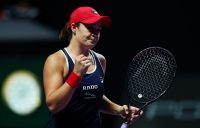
{"points": [[89, 95], [90, 87]]}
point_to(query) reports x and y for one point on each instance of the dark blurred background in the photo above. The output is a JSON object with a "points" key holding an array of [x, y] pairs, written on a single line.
{"points": [[29, 33]]}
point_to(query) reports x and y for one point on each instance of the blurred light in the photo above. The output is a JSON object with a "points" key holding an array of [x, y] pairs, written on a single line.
{"points": [[21, 92]]}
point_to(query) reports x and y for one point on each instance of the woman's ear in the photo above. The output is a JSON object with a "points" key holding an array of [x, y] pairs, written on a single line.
{"points": [[73, 27]]}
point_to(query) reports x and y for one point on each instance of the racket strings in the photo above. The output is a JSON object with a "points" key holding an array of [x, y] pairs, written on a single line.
{"points": [[150, 74]]}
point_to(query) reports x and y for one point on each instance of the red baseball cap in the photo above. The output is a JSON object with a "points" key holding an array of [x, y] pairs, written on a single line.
{"points": [[88, 15]]}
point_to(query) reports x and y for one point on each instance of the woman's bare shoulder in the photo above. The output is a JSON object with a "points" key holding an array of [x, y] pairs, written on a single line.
{"points": [[55, 59]]}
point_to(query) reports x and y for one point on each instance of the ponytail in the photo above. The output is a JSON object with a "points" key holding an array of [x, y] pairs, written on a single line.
{"points": [[65, 34]]}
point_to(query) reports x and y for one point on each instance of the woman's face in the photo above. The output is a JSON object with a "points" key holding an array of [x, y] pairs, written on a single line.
{"points": [[89, 34]]}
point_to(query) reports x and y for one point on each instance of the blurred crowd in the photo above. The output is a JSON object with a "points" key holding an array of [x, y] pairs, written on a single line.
{"points": [[19, 9]]}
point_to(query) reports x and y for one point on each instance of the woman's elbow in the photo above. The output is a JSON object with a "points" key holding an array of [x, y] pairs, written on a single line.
{"points": [[52, 107]]}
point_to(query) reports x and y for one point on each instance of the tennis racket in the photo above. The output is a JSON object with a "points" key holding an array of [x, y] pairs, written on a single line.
{"points": [[150, 74]]}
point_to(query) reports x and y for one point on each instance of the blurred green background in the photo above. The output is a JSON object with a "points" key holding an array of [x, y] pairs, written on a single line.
{"points": [[9, 64]]}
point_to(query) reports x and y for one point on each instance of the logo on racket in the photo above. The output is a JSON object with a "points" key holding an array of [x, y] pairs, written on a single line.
{"points": [[139, 96]]}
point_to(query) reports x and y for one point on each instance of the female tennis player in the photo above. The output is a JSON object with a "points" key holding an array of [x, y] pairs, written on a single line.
{"points": [[74, 76]]}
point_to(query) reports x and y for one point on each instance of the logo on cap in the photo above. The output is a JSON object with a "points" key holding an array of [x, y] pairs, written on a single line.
{"points": [[94, 11]]}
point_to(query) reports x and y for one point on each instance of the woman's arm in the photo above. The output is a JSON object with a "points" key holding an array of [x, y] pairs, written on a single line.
{"points": [[109, 107], [57, 92]]}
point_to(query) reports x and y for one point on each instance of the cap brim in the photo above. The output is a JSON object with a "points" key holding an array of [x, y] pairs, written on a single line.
{"points": [[105, 20]]}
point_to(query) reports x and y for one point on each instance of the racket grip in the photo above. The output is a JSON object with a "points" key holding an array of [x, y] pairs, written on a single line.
{"points": [[124, 125]]}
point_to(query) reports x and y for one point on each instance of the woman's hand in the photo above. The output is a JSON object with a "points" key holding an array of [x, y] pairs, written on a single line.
{"points": [[81, 65], [131, 113]]}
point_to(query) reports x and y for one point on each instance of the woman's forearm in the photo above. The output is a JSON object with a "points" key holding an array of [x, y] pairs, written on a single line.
{"points": [[109, 107]]}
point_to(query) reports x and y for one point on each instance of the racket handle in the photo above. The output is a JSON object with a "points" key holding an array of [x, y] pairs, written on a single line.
{"points": [[124, 125]]}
